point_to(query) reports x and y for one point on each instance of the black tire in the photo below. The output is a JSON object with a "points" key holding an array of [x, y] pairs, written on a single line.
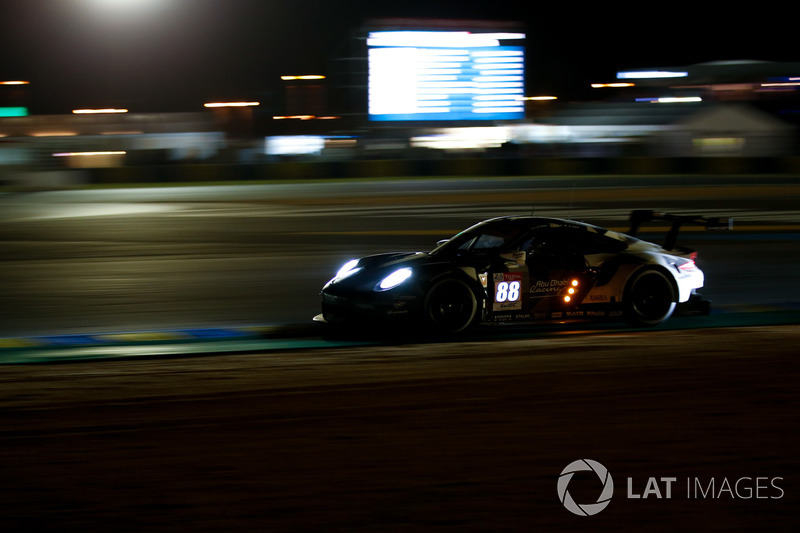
{"points": [[650, 298], [451, 306]]}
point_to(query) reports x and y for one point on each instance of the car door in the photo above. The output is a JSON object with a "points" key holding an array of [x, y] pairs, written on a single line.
{"points": [[556, 266]]}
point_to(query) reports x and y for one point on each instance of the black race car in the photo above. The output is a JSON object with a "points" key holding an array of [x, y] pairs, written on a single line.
{"points": [[522, 269]]}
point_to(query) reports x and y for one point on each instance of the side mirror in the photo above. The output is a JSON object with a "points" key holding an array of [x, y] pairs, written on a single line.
{"points": [[439, 243]]}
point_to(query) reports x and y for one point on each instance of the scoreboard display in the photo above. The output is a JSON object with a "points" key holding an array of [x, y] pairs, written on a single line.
{"points": [[445, 75]]}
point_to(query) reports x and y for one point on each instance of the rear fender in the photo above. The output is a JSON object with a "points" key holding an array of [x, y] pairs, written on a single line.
{"points": [[659, 267], [613, 277]]}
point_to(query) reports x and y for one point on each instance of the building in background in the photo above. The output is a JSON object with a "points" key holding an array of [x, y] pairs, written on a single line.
{"points": [[431, 89]]}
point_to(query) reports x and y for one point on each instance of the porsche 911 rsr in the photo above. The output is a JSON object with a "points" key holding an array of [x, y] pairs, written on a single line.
{"points": [[522, 269]]}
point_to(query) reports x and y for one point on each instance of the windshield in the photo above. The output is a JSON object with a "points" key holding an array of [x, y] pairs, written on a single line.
{"points": [[493, 235]]}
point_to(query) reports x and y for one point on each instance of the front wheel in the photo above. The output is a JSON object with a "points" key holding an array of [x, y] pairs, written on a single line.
{"points": [[450, 306], [649, 299]]}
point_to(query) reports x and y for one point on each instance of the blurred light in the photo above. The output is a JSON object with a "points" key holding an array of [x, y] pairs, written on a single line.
{"points": [[294, 144], [79, 154], [137, 3], [447, 39], [671, 100], [498, 110], [499, 53], [650, 74], [13, 111], [303, 117], [679, 100], [496, 61], [505, 36], [231, 104], [719, 144], [612, 85], [293, 117], [464, 138], [123, 7], [341, 142], [107, 110], [605, 133], [304, 77], [539, 98], [128, 132], [14, 82], [783, 84], [495, 79], [54, 134]]}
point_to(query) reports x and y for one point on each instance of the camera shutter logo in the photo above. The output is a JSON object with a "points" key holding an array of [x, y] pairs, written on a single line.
{"points": [[603, 500]]}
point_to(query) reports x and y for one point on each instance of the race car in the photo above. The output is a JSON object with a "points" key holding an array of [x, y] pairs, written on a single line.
{"points": [[519, 269]]}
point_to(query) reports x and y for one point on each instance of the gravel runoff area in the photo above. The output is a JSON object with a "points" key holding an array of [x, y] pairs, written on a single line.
{"points": [[431, 437]]}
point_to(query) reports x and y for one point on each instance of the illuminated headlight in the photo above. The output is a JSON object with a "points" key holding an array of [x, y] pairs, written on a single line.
{"points": [[348, 269], [394, 279]]}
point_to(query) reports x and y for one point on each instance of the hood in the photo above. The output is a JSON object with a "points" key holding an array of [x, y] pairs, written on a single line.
{"points": [[393, 259]]}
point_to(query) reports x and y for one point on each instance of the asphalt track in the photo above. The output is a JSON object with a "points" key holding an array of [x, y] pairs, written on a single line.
{"points": [[117, 262], [285, 428]]}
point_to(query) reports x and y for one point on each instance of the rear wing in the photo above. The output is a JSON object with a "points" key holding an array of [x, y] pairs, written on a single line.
{"points": [[639, 216]]}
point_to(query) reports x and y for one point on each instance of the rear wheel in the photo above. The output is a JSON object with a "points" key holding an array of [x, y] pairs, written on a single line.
{"points": [[451, 306], [649, 299]]}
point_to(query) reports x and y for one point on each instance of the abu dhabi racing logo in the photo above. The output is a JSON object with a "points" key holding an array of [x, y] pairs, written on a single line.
{"points": [[588, 509]]}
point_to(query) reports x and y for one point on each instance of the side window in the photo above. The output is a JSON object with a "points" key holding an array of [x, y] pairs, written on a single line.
{"points": [[556, 248], [532, 243], [495, 237], [466, 245], [487, 241]]}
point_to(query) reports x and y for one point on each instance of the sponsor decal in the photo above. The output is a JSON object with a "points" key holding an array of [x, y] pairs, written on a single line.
{"points": [[543, 289], [507, 291]]}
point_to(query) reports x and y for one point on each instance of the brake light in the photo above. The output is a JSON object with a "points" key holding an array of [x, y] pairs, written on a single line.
{"points": [[688, 266]]}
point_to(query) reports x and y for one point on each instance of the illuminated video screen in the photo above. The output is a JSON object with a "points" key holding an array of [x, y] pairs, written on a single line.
{"points": [[445, 75]]}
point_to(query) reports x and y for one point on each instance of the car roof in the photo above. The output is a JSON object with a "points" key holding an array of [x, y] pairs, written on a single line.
{"points": [[532, 222]]}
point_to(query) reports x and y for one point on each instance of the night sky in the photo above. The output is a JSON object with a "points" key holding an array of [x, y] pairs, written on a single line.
{"points": [[173, 55]]}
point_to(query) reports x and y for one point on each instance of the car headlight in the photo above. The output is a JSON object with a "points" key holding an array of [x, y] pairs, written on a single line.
{"points": [[394, 279], [347, 270]]}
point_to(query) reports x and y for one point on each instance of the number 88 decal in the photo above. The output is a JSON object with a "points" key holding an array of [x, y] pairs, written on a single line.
{"points": [[507, 292]]}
